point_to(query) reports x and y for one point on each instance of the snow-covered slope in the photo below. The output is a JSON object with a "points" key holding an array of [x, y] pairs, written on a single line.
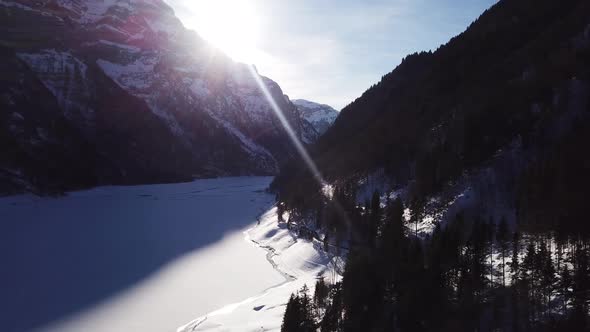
{"points": [[129, 77], [300, 261], [320, 116]]}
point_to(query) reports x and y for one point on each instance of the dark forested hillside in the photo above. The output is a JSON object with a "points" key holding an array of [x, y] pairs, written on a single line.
{"points": [[472, 95], [519, 69], [482, 144]]}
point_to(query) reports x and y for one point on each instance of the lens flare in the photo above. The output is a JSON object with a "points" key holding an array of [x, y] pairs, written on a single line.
{"points": [[287, 126], [297, 143], [231, 26]]}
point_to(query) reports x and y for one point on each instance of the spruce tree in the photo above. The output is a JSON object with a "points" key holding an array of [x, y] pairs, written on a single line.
{"points": [[320, 295], [502, 237], [306, 316], [547, 274], [332, 320], [565, 284], [490, 233], [291, 318], [374, 218], [515, 263]]}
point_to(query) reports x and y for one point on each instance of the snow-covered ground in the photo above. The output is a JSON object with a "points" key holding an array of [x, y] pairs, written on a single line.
{"points": [[139, 258], [300, 261], [152, 258]]}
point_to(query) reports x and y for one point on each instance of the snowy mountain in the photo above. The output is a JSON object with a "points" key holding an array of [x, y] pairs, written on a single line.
{"points": [[320, 116], [118, 91]]}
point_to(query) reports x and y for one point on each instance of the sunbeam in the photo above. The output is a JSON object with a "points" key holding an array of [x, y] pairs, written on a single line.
{"points": [[297, 143], [292, 135]]}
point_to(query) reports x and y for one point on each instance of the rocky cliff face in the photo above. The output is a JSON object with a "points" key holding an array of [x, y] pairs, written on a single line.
{"points": [[125, 83]]}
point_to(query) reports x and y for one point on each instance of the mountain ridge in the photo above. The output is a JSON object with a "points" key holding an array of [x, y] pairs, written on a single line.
{"points": [[153, 100], [510, 85], [320, 116]]}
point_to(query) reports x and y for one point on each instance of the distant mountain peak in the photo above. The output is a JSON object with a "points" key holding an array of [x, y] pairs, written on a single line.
{"points": [[320, 116], [308, 103]]}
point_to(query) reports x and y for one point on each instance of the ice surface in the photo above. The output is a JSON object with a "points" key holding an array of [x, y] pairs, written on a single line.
{"points": [[138, 258]]}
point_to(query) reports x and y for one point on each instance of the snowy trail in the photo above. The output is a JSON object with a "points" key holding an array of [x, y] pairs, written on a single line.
{"points": [[270, 253], [298, 261]]}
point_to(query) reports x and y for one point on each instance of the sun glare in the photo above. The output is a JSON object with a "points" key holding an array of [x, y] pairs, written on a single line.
{"points": [[230, 25]]}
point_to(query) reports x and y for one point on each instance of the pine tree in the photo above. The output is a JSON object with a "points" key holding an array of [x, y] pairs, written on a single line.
{"points": [[374, 218], [565, 284], [306, 316], [529, 260], [298, 315], [478, 257], [559, 253], [466, 288], [396, 218], [416, 207], [515, 264], [391, 240], [490, 233], [547, 273], [320, 295], [291, 318], [332, 321], [531, 277], [502, 237]]}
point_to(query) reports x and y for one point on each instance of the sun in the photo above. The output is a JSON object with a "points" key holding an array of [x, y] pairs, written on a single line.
{"points": [[233, 26]]}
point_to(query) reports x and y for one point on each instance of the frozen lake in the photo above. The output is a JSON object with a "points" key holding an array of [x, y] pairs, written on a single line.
{"points": [[139, 258]]}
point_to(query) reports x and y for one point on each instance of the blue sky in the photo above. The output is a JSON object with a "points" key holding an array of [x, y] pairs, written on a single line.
{"points": [[328, 51]]}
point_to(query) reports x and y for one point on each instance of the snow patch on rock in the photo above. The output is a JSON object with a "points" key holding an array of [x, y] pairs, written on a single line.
{"points": [[134, 75], [64, 76]]}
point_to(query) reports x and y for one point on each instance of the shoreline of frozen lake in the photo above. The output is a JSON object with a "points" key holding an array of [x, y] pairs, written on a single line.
{"points": [[139, 258], [301, 261]]}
